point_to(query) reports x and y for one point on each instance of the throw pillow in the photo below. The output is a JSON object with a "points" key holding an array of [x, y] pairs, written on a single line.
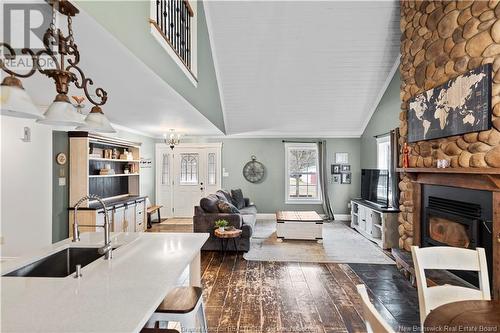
{"points": [[226, 207], [224, 195], [209, 204], [238, 199]]}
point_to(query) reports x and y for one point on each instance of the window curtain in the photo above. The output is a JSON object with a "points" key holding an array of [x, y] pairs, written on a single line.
{"points": [[323, 179], [393, 176]]}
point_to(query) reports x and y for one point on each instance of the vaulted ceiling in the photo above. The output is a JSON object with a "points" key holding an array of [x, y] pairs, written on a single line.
{"points": [[302, 68]]}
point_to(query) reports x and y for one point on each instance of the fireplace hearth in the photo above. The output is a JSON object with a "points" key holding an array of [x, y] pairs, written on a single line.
{"points": [[457, 217]]}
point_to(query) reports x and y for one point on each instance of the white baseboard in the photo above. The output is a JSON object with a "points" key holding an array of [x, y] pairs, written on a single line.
{"points": [[342, 217], [339, 217]]}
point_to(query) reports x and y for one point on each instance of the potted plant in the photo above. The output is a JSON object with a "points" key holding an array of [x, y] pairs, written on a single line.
{"points": [[221, 224]]}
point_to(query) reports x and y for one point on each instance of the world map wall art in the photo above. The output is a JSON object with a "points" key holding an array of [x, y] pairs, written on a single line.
{"points": [[461, 105]]}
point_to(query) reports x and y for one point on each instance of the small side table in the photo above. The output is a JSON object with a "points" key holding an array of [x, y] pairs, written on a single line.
{"points": [[226, 235]]}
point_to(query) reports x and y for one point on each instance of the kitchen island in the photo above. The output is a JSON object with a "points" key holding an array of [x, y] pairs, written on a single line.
{"points": [[117, 295]]}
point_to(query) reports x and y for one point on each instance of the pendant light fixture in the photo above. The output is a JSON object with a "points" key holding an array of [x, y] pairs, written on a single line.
{"points": [[96, 121], [173, 139], [66, 57], [15, 102], [62, 113]]}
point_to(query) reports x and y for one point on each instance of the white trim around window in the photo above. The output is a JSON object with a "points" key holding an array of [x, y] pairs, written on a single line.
{"points": [[309, 192]]}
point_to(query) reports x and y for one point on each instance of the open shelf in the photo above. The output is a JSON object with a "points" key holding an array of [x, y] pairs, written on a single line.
{"points": [[482, 171], [112, 160], [115, 175]]}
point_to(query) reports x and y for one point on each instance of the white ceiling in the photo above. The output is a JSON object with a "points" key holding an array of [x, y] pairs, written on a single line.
{"points": [[302, 68], [137, 98]]}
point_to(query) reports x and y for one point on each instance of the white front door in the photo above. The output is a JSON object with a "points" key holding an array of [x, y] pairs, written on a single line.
{"points": [[192, 171]]}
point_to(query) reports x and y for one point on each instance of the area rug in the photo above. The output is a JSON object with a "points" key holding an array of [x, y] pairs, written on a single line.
{"points": [[341, 244]]}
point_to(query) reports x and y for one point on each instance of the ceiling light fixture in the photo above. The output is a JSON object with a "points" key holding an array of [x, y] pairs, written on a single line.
{"points": [[15, 102], [173, 139]]}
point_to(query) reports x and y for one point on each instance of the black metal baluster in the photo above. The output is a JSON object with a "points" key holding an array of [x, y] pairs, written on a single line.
{"points": [[163, 17], [171, 21], [167, 18], [157, 11], [183, 31], [188, 43], [178, 35]]}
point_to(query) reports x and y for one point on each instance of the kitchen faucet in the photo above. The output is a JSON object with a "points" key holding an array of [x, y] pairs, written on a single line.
{"points": [[107, 250]]}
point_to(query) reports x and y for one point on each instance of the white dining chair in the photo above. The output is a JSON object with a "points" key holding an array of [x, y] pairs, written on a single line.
{"points": [[373, 320], [450, 258]]}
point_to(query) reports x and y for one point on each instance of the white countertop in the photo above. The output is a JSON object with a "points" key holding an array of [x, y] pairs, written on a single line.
{"points": [[117, 295]]}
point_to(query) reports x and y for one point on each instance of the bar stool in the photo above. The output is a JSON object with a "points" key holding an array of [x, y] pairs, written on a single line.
{"points": [[183, 305]]}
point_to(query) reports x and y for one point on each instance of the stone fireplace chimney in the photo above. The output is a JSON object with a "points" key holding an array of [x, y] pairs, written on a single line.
{"points": [[441, 40]]}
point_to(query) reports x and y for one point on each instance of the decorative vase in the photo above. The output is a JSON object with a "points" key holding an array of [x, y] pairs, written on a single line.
{"points": [[221, 229]]}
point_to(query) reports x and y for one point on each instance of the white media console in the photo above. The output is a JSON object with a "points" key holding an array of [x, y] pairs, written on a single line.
{"points": [[380, 225]]}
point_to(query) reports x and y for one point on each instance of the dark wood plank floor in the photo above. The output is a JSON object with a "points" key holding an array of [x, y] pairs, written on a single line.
{"points": [[252, 296]]}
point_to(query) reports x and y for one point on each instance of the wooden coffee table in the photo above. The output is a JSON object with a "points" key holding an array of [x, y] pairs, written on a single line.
{"points": [[307, 225], [225, 237]]}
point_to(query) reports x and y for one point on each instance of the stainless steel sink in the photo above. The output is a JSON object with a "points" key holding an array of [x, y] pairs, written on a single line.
{"points": [[59, 264]]}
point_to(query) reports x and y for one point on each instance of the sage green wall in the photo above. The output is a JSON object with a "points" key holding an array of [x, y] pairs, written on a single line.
{"points": [[384, 119], [128, 21], [269, 196], [60, 194]]}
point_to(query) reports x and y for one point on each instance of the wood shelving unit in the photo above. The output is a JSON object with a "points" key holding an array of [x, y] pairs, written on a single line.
{"points": [[84, 168], [112, 160], [115, 175]]}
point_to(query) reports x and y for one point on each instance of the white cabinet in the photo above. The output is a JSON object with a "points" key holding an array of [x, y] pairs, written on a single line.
{"points": [[100, 220], [129, 218], [119, 219], [140, 216], [379, 225]]}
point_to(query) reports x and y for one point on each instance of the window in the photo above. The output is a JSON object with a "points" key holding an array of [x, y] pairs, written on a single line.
{"points": [[383, 152], [383, 163], [189, 169], [212, 178], [165, 170], [302, 173]]}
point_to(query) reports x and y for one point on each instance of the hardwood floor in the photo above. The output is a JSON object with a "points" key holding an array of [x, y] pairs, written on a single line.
{"points": [[252, 296], [256, 297]]}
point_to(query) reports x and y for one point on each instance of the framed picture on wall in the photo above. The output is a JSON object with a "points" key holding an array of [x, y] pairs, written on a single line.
{"points": [[335, 168], [346, 168], [336, 178], [342, 158], [346, 178]]}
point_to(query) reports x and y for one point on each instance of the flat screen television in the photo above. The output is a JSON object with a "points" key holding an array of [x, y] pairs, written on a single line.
{"points": [[375, 186]]}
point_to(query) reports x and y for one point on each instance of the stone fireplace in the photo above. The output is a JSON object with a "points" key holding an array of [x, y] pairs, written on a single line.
{"points": [[439, 41], [457, 217], [453, 207]]}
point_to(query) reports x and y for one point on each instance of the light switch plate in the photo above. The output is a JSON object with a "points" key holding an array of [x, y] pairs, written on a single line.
{"points": [[62, 181]]}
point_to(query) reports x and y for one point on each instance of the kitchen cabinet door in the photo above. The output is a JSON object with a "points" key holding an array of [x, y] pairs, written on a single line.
{"points": [[100, 220], [140, 216], [119, 219], [129, 224]]}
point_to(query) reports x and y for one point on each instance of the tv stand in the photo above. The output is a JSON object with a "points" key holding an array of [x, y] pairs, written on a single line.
{"points": [[376, 223]]}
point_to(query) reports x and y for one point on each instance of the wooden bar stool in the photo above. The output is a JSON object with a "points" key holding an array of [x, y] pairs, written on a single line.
{"points": [[183, 305]]}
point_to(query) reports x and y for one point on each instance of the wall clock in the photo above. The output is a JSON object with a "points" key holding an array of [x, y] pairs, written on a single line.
{"points": [[61, 158], [254, 171]]}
